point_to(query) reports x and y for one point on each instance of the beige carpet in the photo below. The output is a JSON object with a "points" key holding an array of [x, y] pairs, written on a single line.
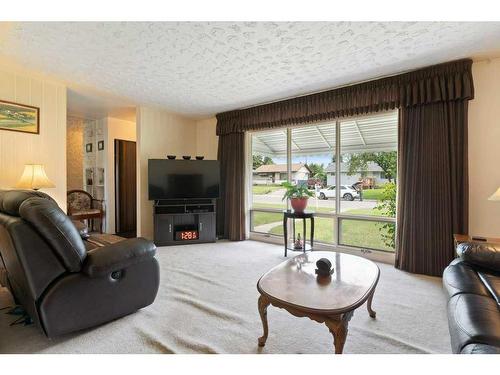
{"points": [[207, 303]]}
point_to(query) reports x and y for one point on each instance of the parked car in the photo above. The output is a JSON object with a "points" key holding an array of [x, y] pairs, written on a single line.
{"points": [[346, 192]]}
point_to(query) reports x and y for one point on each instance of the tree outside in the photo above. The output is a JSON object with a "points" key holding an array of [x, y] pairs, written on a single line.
{"points": [[259, 160], [318, 171], [386, 160]]}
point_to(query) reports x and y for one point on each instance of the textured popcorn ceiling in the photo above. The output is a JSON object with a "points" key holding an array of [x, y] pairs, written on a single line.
{"points": [[200, 69]]}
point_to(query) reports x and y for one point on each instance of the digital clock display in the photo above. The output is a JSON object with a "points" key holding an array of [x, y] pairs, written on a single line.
{"points": [[186, 235]]}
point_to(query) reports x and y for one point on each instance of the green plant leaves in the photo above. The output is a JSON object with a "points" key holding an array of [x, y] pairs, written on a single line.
{"points": [[296, 191]]}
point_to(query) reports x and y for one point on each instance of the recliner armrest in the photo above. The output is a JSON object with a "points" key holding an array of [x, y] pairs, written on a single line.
{"points": [[118, 256], [485, 255]]}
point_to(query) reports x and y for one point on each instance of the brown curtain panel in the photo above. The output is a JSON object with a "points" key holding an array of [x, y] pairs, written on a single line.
{"points": [[433, 185], [231, 207]]}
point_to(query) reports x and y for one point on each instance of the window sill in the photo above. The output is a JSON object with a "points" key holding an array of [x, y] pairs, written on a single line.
{"points": [[374, 255]]}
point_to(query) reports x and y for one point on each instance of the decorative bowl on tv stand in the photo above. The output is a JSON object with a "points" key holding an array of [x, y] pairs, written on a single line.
{"points": [[187, 157], [200, 157], [171, 157]]}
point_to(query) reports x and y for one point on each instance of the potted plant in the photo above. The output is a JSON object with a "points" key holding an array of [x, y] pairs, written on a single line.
{"points": [[298, 195]]}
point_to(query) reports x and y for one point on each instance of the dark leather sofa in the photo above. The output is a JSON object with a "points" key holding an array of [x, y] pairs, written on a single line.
{"points": [[473, 285], [63, 284]]}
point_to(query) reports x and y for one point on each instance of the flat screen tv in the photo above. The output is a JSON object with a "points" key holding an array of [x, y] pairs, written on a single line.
{"points": [[183, 179]]}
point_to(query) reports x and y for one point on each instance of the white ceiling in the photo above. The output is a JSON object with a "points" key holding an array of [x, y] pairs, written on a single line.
{"points": [[202, 68]]}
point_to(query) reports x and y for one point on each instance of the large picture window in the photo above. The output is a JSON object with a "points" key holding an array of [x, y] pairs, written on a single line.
{"points": [[351, 167]]}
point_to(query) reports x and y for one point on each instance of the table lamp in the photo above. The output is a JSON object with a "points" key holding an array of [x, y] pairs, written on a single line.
{"points": [[34, 177], [495, 196]]}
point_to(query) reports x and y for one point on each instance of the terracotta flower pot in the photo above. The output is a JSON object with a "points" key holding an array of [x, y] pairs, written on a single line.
{"points": [[299, 204]]}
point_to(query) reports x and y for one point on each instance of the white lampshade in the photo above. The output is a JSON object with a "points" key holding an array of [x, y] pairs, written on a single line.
{"points": [[34, 177], [495, 196]]}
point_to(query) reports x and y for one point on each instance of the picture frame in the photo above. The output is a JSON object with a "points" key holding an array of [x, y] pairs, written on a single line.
{"points": [[100, 145], [88, 147], [18, 117]]}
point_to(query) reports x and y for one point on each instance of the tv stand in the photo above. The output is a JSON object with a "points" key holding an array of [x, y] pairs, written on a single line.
{"points": [[184, 221]]}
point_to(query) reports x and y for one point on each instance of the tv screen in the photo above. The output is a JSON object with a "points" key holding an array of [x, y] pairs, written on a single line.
{"points": [[183, 179]]}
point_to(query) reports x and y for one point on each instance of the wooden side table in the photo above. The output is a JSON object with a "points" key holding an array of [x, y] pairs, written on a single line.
{"points": [[287, 214]]}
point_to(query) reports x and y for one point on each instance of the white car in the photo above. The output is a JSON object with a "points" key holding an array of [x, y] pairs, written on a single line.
{"points": [[346, 192]]}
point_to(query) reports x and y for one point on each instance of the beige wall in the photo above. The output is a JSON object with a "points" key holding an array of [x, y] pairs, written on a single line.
{"points": [[159, 133], [48, 147], [74, 153], [484, 155], [114, 129], [206, 139]]}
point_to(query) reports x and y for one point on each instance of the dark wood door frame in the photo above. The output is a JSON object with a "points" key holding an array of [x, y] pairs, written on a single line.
{"points": [[125, 187]]}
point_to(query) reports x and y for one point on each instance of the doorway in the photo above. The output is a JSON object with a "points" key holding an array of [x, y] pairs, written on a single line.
{"points": [[125, 188]]}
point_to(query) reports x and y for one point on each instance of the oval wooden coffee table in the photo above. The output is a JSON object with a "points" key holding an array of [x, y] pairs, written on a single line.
{"points": [[294, 286]]}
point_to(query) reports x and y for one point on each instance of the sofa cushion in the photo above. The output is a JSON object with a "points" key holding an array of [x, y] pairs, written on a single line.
{"points": [[460, 277], [480, 349], [57, 229], [473, 319], [484, 255], [11, 200]]}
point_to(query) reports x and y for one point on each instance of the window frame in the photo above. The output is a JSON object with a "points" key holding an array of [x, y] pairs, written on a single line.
{"points": [[337, 216]]}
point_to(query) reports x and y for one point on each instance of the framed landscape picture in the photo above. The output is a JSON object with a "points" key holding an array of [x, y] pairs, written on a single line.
{"points": [[19, 117]]}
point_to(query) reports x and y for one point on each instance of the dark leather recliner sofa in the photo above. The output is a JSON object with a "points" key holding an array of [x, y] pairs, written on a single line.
{"points": [[63, 285], [473, 285]]}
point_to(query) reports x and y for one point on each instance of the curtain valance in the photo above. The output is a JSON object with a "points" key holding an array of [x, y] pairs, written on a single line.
{"points": [[439, 83]]}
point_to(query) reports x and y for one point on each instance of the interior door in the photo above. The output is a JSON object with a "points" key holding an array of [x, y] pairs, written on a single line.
{"points": [[125, 188]]}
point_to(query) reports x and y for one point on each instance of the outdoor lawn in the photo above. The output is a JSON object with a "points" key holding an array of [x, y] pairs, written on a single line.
{"points": [[354, 232], [375, 194], [265, 189], [354, 211]]}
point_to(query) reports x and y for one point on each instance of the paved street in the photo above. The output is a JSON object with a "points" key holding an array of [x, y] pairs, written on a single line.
{"points": [[275, 198]]}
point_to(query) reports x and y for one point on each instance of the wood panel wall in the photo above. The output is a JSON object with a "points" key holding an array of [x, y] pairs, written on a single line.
{"points": [[48, 147]]}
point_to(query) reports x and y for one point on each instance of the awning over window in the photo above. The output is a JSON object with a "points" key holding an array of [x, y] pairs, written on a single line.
{"points": [[376, 132]]}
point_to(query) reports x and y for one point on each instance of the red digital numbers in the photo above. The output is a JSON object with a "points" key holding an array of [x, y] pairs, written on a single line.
{"points": [[187, 235]]}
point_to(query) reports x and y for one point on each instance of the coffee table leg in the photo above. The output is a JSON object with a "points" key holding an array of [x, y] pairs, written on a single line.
{"points": [[371, 312], [263, 304], [338, 328]]}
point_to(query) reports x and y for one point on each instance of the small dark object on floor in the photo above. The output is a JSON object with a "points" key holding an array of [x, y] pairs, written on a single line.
{"points": [[187, 157], [16, 310], [171, 157], [200, 157], [324, 267], [24, 318]]}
